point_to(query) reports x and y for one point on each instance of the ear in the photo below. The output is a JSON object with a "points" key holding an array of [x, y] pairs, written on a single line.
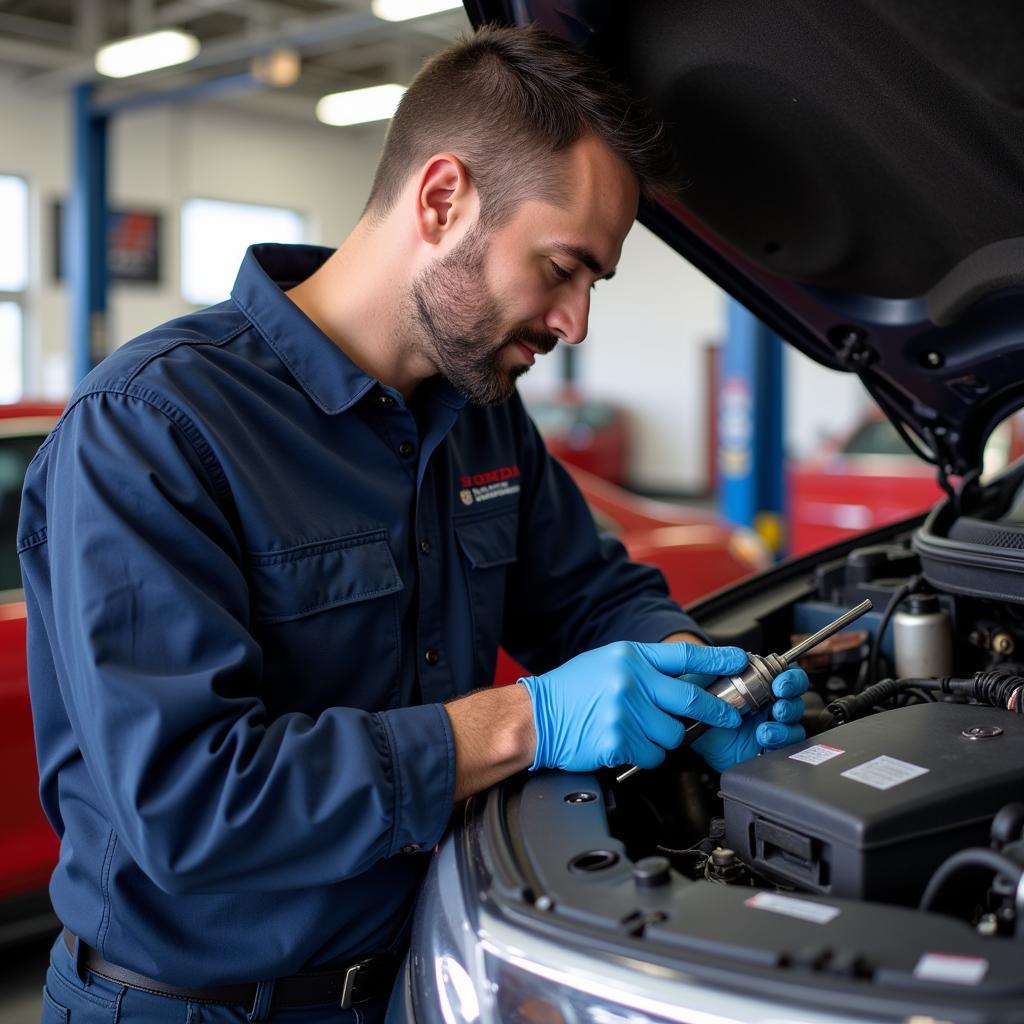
{"points": [[444, 197]]}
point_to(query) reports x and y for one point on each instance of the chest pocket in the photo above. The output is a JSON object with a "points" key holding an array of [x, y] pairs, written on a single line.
{"points": [[328, 614], [489, 544], [301, 581]]}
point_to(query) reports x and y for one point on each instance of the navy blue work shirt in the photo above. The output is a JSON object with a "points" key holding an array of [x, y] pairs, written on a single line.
{"points": [[253, 574]]}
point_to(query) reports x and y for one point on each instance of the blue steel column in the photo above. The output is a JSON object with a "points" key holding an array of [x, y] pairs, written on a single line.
{"points": [[750, 427], [85, 237]]}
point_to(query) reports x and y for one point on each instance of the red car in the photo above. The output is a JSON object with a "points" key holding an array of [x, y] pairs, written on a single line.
{"points": [[870, 478], [696, 553], [588, 433], [28, 847]]}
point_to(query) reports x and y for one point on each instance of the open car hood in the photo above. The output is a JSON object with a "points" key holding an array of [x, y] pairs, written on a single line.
{"points": [[854, 175]]}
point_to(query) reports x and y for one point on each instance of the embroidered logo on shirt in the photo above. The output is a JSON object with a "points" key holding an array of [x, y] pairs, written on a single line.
{"points": [[495, 483]]}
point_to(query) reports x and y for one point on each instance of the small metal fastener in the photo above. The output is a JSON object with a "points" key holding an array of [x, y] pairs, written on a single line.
{"points": [[543, 903], [934, 359], [982, 732], [581, 797], [1002, 643], [988, 924]]}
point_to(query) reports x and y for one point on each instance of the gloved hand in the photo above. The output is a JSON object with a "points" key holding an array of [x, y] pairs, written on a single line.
{"points": [[768, 729], [621, 704]]}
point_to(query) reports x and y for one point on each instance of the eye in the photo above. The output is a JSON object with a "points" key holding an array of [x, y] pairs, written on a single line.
{"points": [[560, 272]]}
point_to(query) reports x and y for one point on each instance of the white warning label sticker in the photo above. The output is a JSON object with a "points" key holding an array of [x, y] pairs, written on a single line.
{"points": [[884, 772], [957, 970], [818, 913], [818, 754]]}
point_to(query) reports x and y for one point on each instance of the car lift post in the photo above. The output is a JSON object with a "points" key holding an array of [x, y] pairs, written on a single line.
{"points": [[750, 428], [85, 237]]}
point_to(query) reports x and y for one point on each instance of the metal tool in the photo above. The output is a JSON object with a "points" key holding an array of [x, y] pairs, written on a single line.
{"points": [[751, 690]]}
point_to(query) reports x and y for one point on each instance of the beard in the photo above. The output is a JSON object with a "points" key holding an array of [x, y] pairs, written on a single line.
{"points": [[460, 325]]}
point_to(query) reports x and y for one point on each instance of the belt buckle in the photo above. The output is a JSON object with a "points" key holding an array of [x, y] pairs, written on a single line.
{"points": [[349, 984]]}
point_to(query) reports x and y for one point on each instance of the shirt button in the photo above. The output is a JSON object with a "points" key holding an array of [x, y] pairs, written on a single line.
{"points": [[425, 546], [386, 400], [405, 449], [431, 656], [411, 848]]}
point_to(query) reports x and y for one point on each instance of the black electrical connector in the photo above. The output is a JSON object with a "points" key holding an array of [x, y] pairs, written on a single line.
{"points": [[996, 689]]}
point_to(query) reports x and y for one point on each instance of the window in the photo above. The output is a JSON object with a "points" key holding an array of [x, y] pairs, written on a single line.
{"points": [[214, 237], [13, 283]]}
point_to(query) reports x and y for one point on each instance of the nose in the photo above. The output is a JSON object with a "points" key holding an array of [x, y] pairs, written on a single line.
{"points": [[569, 317]]}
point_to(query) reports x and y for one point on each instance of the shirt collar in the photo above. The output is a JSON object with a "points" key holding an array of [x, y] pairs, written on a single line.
{"points": [[326, 373]]}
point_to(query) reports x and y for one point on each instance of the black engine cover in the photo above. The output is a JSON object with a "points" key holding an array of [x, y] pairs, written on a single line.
{"points": [[868, 810]]}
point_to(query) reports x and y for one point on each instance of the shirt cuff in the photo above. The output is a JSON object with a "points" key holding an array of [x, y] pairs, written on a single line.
{"points": [[423, 757], [656, 627]]}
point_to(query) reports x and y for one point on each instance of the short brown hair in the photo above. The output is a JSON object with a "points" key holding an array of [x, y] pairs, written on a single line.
{"points": [[506, 101]]}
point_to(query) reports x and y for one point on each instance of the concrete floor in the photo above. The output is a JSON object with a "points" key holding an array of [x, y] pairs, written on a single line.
{"points": [[22, 972]]}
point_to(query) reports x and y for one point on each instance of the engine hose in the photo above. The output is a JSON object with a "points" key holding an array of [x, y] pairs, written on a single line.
{"points": [[997, 689], [979, 857], [902, 592]]}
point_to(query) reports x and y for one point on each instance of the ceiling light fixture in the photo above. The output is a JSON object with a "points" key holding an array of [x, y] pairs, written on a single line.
{"points": [[138, 54], [358, 106], [403, 10]]}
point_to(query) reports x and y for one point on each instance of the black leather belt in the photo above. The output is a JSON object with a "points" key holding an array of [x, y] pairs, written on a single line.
{"points": [[345, 986]]}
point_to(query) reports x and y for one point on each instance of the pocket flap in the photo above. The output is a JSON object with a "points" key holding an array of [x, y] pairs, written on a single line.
{"points": [[313, 577], [489, 541]]}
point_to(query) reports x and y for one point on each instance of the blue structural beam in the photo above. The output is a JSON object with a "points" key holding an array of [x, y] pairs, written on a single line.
{"points": [[750, 428], [85, 235], [86, 225]]}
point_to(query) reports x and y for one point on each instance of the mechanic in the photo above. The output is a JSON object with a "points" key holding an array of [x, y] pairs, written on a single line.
{"points": [[271, 548]]}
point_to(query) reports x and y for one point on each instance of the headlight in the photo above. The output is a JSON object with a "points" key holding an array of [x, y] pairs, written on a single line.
{"points": [[463, 971], [524, 997], [459, 1001], [442, 979]]}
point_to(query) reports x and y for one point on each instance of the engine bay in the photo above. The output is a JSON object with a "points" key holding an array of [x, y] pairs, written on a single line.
{"points": [[908, 789]]}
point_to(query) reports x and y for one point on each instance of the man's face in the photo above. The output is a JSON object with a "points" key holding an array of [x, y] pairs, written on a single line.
{"points": [[500, 298]]}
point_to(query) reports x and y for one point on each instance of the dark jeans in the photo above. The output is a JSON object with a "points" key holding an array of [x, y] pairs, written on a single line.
{"points": [[68, 1000]]}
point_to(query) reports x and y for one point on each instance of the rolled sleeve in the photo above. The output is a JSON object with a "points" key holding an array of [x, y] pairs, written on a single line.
{"points": [[423, 755]]}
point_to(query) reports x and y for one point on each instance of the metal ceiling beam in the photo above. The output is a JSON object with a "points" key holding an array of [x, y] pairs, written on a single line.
{"points": [[36, 28], [90, 24], [179, 11], [35, 55], [307, 35]]}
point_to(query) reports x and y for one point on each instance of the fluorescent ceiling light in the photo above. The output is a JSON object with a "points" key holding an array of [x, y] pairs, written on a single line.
{"points": [[357, 106], [402, 10], [137, 54]]}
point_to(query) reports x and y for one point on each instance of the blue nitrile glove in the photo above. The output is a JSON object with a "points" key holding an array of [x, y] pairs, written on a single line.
{"points": [[768, 729], [621, 704]]}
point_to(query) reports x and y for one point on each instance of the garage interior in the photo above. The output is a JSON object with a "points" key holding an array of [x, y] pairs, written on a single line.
{"points": [[127, 201]]}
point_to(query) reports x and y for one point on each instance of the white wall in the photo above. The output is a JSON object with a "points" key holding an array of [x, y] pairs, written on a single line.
{"points": [[649, 326], [159, 158], [646, 351]]}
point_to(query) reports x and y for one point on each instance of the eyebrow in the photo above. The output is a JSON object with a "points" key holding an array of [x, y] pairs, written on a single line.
{"points": [[586, 257]]}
